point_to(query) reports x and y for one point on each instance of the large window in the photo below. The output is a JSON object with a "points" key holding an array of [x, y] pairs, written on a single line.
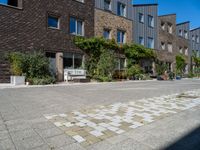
{"points": [[163, 45], [197, 39], [141, 40], [186, 34], [180, 32], [76, 26], [150, 43], [120, 64], [120, 36], [53, 22], [106, 33], [107, 5], [162, 25], [14, 3], [141, 18], [72, 60], [150, 21], [169, 28], [169, 47], [121, 9]]}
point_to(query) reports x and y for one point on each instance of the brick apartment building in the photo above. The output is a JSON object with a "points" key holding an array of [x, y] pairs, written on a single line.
{"points": [[51, 25], [45, 25]]}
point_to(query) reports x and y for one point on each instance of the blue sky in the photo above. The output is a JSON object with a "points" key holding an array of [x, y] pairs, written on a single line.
{"points": [[186, 10]]}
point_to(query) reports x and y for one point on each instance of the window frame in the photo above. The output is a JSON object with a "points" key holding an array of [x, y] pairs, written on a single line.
{"points": [[76, 26], [53, 16], [151, 23]]}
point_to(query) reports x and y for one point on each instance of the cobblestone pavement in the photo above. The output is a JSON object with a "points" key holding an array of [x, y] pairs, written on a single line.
{"points": [[89, 126], [111, 116]]}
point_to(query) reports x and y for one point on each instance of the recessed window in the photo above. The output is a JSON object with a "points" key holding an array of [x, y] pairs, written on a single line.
{"points": [[180, 33], [141, 40], [162, 25], [76, 26], [106, 33], [82, 1], [186, 51], [163, 45], [120, 36], [186, 34], [150, 21], [14, 3], [120, 64], [170, 47], [72, 60], [197, 39], [107, 5], [150, 43], [169, 28], [141, 18], [121, 9], [193, 38], [53, 22], [181, 50]]}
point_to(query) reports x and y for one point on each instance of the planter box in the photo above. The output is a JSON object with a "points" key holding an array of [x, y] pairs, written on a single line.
{"points": [[17, 80]]}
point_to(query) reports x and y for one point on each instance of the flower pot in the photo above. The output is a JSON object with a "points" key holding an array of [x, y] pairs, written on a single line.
{"points": [[17, 80]]}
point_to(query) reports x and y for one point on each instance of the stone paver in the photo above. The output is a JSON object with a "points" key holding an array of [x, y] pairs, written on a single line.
{"points": [[23, 125], [111, 120]]}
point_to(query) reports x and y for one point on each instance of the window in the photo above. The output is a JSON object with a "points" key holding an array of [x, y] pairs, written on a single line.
{"points": [[141, 18], [106, 33], [163, 26], [181, 50], [169, 47], [141, 40], [180, 33], [163, 45], [197, 39], [121, 9], [107, 5], [76, 26], [82, 1], [53, 22], [120, 36], [193, 38], [169, 28], [186, 34], [150, 42], [186, 51], [72, 60], [120, 64], [14, 3], [150, 21]]}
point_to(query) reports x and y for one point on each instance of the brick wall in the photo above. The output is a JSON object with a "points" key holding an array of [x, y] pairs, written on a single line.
{"points": [[26, 29]]}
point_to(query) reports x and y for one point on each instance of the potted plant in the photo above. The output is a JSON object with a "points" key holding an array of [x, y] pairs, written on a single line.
{"points": [[16, 62]]}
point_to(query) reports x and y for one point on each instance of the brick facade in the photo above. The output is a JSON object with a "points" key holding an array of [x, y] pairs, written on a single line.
{"points": [[107, 20], [25, 29]]}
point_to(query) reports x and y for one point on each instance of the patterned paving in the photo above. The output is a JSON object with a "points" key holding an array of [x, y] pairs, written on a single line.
{"points": [[89, 126]]}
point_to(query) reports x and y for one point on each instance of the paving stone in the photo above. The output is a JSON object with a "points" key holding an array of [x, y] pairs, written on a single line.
{"points": [[29, 143], [6, 144], [18, 127], [59, 140], [49, 132], [79, 138], [73, 146], [4, 135], [43, 125], [23, 134]]}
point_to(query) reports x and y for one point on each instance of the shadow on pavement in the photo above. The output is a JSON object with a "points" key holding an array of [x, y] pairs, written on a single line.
{"points": [[191, 141]]}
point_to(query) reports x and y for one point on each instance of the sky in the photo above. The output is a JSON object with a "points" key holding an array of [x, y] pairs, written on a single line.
{"points": [[186, 10]]}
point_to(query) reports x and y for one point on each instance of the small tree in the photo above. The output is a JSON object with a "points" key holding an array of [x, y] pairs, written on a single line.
{"points": [[161, 68], [180, 65]]}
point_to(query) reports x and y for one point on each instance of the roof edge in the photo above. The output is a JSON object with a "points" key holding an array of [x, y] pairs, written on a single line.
{"points": [[139, 5], [183, 23], [167, 15]]}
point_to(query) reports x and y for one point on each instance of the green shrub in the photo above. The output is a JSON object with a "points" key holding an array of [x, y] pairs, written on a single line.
{"points": [[42, 81], [35, 66], [16, 60], [134, 70]]}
